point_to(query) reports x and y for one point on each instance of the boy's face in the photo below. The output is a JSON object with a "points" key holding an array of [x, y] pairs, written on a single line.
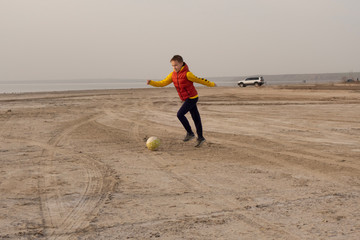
{"points": [[176, 65]]}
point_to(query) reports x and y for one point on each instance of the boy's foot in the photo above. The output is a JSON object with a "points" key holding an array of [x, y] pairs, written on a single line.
{"points": [[199, 142], [189, 136]]}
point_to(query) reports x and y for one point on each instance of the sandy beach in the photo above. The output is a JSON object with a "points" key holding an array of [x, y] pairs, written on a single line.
{"points": [[278, 163]]}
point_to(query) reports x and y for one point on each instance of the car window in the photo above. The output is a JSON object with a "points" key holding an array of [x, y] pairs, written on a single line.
{"points": [[253, 78]]}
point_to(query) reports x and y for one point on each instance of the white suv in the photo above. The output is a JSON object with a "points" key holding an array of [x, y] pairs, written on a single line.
{"points": [[257, 81]]}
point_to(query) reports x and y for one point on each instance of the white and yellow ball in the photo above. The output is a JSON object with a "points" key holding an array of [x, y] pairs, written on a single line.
{"points": [[153, 143]]}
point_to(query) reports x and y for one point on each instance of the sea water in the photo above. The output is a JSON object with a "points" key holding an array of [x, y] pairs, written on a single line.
{"points": [[93, 84], [70, 85], [67, 85]]}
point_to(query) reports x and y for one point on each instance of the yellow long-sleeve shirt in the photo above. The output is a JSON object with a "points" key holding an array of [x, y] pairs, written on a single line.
{"points": [[190, 76]]}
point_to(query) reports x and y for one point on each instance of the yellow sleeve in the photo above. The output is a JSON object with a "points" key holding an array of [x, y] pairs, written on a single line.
{"points": [[162, 83], [191, 77]]}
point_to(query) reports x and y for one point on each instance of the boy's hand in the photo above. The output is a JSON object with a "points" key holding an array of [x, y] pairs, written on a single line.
{"points": [[148, 82]]}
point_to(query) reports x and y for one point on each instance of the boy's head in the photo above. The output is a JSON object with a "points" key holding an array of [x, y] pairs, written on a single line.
{"points": [[177, 62]]}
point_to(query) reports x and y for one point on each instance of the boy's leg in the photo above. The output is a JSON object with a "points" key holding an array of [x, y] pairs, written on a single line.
{"points": [[186, 107], [197, 120]]}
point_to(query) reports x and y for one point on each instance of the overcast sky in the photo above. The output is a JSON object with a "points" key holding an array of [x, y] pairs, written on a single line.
{"points": [[80, 39]]}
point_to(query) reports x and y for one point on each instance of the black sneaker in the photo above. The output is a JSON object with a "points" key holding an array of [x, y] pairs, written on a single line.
{"points": [[189, 136], [200, 141]]}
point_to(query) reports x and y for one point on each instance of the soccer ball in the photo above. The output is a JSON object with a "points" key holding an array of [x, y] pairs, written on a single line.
{"points": [[153, 143]]}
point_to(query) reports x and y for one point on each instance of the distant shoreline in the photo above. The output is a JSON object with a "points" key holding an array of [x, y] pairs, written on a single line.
{"points": [[287, 79], [22, 86]]}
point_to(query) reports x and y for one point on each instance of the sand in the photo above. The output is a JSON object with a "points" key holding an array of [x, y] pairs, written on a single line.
{"points": [[277, 164]]}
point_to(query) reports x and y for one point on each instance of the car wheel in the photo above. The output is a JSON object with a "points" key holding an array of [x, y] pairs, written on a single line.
{"points": [[241, 85], [257, 84]]}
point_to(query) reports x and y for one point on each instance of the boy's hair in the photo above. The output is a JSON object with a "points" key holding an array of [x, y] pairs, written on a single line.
{"points": [[177, 58]]}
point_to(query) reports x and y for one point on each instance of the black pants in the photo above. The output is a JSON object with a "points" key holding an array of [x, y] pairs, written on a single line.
{"points": [[190, 106]]}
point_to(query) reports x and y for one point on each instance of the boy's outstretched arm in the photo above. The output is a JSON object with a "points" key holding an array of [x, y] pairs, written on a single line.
{"points": [[161, 83], [202, 81]]}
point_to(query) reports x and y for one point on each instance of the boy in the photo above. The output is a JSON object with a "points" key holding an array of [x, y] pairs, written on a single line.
{"points": [[183, 80]]}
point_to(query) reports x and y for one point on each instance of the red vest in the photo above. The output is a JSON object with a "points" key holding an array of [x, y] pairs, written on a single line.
{"points": [[184, 87]]}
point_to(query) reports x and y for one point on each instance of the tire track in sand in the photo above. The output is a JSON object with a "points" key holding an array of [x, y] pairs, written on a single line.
{"points": [[61, 222]]}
